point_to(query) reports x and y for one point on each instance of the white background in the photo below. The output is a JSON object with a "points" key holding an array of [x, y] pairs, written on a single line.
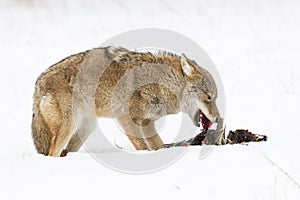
{"points": [[255, 46]]}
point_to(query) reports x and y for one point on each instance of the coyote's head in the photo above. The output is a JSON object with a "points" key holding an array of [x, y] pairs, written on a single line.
{"points": [[200, 92]]}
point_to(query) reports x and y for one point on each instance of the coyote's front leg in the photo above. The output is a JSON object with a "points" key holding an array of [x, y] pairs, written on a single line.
{"points": [[143, 136], [151, 137]]}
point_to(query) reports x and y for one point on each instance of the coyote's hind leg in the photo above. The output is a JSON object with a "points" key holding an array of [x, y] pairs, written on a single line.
{"points": [[59, 123], [61, 139], [80, 136]]}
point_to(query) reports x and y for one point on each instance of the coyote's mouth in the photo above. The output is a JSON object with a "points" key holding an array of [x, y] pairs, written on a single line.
{"points": [[201, 120]]}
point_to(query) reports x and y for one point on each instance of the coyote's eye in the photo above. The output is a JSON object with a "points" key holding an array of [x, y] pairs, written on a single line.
{"points": [[208, 97]]}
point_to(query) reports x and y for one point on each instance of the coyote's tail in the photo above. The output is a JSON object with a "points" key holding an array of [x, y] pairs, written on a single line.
{"points": [[40, 133]]}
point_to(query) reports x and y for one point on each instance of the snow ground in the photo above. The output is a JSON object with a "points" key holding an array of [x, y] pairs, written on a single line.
{"points": [[255, 46]]}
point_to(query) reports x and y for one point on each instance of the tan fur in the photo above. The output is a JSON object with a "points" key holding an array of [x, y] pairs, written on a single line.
{"points": [[113, 82]]}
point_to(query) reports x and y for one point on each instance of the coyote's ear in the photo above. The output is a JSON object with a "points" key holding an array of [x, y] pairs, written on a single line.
{"points": [[186, 66]]}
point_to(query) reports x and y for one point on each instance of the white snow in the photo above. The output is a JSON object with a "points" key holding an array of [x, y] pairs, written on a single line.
{"points": [[255, 46]]}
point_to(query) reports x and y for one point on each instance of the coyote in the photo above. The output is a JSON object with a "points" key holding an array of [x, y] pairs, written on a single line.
{"points": [[133, 87]]}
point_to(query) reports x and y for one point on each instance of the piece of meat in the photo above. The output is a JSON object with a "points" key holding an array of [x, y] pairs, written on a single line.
{"points": [[240, 136], [205, 122], [234, 137]]}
